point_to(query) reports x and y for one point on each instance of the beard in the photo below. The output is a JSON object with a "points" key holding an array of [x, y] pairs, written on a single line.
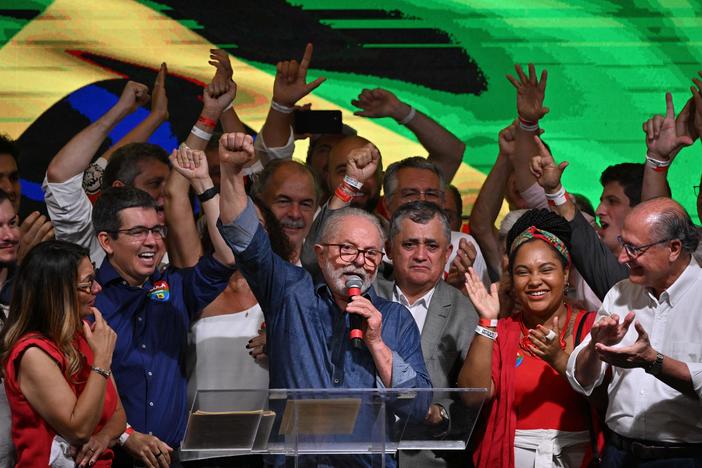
{"points": [[336, 278]]}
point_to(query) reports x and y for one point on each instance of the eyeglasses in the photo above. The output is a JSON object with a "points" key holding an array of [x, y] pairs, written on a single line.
{"points": [[86, 286], [349, 253], [141, 232], [696, 189], [430, 195], [635, 251]]}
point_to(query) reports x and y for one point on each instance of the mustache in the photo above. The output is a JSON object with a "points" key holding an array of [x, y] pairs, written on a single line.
{"points": [[292, 223]]}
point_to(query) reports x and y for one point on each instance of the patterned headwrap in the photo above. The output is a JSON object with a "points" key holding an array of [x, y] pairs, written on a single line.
{"points": [[532, 232]]}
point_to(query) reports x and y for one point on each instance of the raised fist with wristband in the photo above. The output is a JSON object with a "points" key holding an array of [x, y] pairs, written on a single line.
{"points": [[361, 165]]}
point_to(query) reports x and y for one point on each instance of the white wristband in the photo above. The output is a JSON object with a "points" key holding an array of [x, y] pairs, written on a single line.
{"points": [[657, 164], [231, 104], [557, 199], [125, 435], [527, 127], [281, 108], [491, 334], [357, 184], [200, 133], [410, 115]]}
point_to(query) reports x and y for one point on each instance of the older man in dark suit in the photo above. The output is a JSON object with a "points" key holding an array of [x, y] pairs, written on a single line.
{"points": [[419, 245]]}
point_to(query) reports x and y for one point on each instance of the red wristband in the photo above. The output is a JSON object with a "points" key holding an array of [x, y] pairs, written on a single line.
{"points": [[206, 121], [491, 323], [342, 194]]}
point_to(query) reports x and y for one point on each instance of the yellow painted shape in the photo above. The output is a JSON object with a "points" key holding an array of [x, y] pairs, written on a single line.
{"points": [[36, 71]]}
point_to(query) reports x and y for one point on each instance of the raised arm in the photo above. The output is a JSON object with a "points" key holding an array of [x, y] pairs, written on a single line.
{"points": [[235, 152], [487, 204], [184, 247], [476, 371], [289, 87], [223, 76], [665, 137], [75, 157], [530, 110], [192, 164], [444, 148], [159, 114], [598, 266]]}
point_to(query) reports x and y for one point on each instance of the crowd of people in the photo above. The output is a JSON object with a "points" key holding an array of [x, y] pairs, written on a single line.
{"points": [[580, 322]]}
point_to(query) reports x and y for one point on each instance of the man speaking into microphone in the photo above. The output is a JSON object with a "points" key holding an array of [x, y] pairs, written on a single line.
{"points": [[308, 323]]}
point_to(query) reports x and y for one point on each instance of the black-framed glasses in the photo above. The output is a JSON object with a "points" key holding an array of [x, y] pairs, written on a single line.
{"points": [[696, 189], [430, 195], [141, 232], [349, 253], [86, 286], [635, 251]]}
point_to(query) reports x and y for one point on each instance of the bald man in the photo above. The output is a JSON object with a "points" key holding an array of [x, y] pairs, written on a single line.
{"points": [[649, 333]]}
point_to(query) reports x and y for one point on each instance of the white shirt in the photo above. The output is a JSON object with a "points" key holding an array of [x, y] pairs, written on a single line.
{"points": [[71, 214], [640, 405], [420, 307], [479, 264]]}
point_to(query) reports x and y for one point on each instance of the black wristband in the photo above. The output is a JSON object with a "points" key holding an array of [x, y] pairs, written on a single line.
{"points": [[208, 194]]}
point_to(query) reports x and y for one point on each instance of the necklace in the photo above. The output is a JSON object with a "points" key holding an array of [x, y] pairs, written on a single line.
{"points": [[526, 342]]}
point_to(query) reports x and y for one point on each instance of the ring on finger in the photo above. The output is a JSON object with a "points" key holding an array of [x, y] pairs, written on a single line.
{"points": [[550, 336]]}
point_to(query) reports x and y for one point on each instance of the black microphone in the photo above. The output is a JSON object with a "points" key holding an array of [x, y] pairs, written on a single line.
{"points": [[353, 288]]}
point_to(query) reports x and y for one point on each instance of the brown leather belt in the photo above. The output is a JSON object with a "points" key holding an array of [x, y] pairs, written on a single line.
{"points": [[651, 450]]}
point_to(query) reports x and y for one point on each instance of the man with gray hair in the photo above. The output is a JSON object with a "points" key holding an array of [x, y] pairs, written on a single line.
{"points": [[654, 409], [417, 178], [307, 323], [419, 244]]}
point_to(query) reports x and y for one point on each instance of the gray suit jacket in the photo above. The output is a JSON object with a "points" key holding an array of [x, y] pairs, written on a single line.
{"points": [[448, 331]]}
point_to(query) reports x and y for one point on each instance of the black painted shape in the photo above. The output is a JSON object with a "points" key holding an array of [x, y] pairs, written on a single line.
{"points": [[270, 30]]}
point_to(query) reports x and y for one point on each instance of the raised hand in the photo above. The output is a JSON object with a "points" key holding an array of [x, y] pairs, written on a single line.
{"points": [[464, 259], [530, 93], [608, 331], [34, 229], [101, 339], [159, 102], [190, 163], [544, 168], [216, 103], [223, 76], [697, 104], [290, 83], [506, 140], [662, 140], [236, 149], [363, 162], [378, 102], [639, 354], [133, 96], [486, 303]]}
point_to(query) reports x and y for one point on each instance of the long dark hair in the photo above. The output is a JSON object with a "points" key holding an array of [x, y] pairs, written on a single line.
{"points": [[45, 300]]}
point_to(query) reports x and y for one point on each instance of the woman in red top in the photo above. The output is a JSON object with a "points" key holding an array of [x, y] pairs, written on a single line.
{"points": [[533, 417], [57, 368]]}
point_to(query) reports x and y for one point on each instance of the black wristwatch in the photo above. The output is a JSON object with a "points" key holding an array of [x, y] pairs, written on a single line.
{"points": [[655, 367]]}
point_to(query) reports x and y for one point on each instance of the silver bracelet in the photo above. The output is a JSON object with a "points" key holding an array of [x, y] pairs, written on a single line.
{"points": [[103, 372], [410, 115], [281, 108]]}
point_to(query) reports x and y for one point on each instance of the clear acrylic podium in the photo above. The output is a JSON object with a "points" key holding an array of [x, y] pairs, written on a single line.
{"points": [[336, 421]]}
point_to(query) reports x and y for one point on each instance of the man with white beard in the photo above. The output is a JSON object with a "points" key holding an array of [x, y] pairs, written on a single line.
{"points": [[307, 323]]}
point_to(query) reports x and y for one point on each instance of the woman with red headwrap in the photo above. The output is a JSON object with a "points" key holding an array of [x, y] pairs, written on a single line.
{"points": [[533, 418]]}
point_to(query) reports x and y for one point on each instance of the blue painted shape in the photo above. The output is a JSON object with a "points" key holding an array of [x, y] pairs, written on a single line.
{"points": [[93, 102]]}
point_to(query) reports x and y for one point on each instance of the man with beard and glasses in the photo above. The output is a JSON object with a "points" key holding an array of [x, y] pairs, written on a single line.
{"points": [[308, 322]]}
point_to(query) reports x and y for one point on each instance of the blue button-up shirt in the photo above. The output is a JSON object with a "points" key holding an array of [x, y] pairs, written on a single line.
{"points": [[152, 324], [307, 333]]}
